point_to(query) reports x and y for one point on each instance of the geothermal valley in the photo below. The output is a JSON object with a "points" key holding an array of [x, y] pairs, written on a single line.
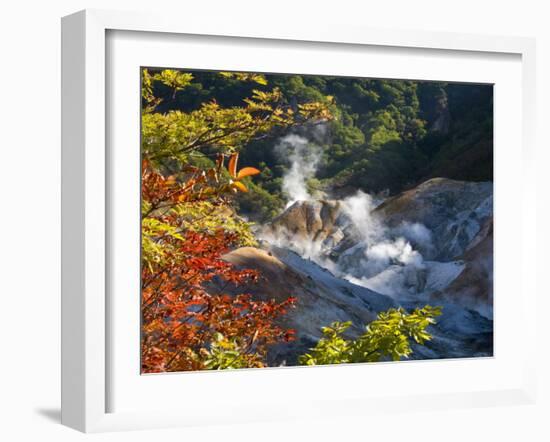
{"points": [[350, 258]]}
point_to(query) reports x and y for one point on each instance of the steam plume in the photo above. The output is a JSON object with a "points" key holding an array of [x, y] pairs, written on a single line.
{"points": [[304, 158]]}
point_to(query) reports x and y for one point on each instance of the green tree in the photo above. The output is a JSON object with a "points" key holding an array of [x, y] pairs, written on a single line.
{"points": [[388, 337], [179, 135]]}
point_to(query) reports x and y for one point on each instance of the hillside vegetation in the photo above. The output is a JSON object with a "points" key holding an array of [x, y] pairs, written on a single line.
{"points": [[385, 135]]}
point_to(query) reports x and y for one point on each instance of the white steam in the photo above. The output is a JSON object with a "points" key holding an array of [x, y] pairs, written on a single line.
{"points": [[304, 158], [387, 260], [359, 209], [382, 259]]}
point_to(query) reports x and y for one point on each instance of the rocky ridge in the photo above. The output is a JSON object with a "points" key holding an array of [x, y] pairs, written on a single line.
{"points": [[431, 244]]}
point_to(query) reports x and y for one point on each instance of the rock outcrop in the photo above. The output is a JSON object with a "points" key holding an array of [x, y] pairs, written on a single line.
{"points": [[454, 211], [316, 220], [313, 226], [473, 287], [321, 297], [431, 244]]}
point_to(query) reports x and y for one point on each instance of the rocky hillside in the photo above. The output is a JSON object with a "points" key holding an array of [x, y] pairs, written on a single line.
{"points": [[351, 258], [454, 211], [322, 298]]}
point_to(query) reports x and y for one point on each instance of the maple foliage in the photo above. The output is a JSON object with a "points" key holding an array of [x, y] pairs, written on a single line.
{"points": [[188, 321], [195, 311]]}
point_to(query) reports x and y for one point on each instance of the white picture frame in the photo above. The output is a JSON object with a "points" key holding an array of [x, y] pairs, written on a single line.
{"points": [[85, 232]]}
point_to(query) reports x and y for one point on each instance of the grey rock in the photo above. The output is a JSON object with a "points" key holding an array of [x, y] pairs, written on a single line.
{"points": [[449, 222], [321, 297], [453, 210]]}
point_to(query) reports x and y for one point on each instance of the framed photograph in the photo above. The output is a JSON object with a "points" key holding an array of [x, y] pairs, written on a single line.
{"points": [[271, 223]]}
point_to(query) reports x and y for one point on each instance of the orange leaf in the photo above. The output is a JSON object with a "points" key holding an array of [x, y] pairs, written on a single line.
{"points": [[247, 171], [240, 186], [232, 166]]}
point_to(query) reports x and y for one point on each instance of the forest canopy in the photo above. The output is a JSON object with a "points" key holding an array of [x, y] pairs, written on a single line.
{"points": [[384, 135]]}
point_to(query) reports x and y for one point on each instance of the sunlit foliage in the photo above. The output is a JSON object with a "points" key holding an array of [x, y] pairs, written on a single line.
{"points": [[186, 314], [389, 337], [189, 319]]}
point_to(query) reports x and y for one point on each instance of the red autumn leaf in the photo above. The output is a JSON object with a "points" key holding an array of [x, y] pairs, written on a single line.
{"points": [[180, 316]]}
